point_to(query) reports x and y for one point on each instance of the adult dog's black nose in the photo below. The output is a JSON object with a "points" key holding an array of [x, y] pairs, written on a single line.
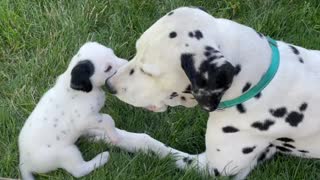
{"points": [[109, 87]]}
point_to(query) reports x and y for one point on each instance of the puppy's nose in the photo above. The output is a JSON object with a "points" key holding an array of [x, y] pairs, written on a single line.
{"points": [[109, 87]]}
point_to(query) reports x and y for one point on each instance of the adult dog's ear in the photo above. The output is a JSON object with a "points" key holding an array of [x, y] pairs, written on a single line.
{"points": [[80, 76], [209, 80]]}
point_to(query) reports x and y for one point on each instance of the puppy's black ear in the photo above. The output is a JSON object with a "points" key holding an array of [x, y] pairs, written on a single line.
{"points": [[210, 80], [80, 76]]}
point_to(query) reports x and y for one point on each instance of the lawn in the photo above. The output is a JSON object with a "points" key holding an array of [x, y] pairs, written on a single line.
{"points": [[38, 38]]}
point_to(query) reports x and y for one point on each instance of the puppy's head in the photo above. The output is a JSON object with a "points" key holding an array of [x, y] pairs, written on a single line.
{"points": [[178, 62], [92, 65]]}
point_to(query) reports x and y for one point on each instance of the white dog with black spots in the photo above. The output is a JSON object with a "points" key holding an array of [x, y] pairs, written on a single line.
{"points": [[189, 57], [65, 112]]}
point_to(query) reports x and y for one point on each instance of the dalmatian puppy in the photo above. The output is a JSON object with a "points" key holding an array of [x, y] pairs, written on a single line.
{"points": [[65, 112], [189, 57]]}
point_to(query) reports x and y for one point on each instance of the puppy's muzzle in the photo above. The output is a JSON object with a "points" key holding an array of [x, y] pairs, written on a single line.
{"points": [[110, 88]]}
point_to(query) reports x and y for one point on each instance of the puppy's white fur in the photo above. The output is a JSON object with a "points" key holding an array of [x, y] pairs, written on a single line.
{"points": [[46, 141]]}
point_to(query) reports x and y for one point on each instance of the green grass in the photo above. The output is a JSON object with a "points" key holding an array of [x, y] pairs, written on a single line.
{"points": [[38, 38]]}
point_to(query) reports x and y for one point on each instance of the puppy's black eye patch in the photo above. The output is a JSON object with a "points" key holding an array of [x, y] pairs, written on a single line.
{"points": [[108, 69], [131, 72]]}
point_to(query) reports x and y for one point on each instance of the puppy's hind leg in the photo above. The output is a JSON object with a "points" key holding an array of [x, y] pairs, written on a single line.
{"points": [[25, 173], [71, 160]]}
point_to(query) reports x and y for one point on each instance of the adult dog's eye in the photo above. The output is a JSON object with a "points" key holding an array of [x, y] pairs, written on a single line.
{"points": [[144, 72], [108, 69], [131, 72]]}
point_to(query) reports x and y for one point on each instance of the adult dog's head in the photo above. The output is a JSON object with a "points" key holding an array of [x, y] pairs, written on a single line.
{"points": [[178, 62]]}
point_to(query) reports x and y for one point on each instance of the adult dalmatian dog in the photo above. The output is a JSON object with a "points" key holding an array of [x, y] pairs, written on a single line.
{"points": [[189, 57]]}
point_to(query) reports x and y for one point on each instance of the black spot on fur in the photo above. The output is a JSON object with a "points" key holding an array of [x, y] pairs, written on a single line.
{"points": [[187, 160], [294, 50], [100, 121], [301, 60], [58, 138], [283, 149], [212, 54], [170, 13], [212, 58], [270, 145], [209, 48], [248, 150], [173, 34], [263, 126], [237, 69], [49, 146], [173, 95], [303, 151], [229, 129], [262, 157], [279, 112], [218, 150], [186, 45], [188, 89], [246, 87], [303, 107], [183, 98], [294, 118], [207, 53], [131, 72], [198, 34], [241, 108], [216, 172], [285, 139], [257, 96], [288, 145]]}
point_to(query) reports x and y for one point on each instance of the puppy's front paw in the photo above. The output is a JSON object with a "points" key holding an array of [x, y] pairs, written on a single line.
{"points": [[104, 157]]}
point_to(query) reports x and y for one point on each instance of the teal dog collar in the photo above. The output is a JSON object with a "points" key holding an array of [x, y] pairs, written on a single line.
{"points": [[264, 81]]}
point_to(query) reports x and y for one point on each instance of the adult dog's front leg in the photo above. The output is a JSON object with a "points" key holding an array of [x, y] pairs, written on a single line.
{"points": [[230, 151], [134, 142]]}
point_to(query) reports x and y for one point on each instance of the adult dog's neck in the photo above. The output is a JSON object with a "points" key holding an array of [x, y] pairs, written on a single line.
{"points": [[245, 49]]}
